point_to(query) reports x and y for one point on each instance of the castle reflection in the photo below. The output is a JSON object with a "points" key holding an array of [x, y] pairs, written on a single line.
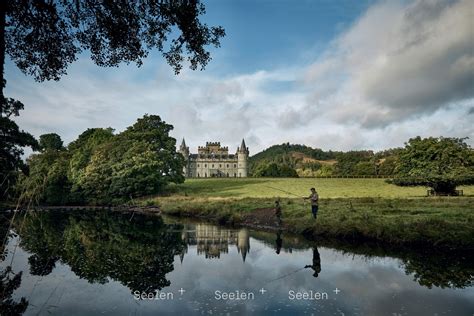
{"points": [[211, 241]]}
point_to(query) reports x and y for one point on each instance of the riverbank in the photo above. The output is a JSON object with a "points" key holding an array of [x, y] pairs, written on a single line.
{"points": [[351, 210], [395, 216]]}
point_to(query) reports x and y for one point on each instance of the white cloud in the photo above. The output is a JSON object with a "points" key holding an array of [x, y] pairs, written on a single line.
{"points": [[399, 71], [398, 61]]}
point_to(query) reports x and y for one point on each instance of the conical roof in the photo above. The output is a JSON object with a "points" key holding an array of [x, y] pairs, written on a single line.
{"points": [[242, 146]]}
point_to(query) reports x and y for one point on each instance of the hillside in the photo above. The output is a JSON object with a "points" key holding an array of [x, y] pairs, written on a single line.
{"points": [[287, 148], [290, 160], [295, 156]]}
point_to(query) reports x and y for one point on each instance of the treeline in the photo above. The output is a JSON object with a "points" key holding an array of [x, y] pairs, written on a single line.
{"points": [[103, 167], [293, 160]]}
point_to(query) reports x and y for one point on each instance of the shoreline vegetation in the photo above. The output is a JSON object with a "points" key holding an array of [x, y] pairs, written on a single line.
{"points": [[352, 210], [355, 211]]}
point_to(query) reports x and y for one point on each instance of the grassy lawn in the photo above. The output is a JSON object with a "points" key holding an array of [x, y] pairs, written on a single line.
{"points": [[271, 187], [356, 209]]}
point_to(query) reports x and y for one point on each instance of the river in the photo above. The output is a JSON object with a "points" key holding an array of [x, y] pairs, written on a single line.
{"points": [[111, 263]]}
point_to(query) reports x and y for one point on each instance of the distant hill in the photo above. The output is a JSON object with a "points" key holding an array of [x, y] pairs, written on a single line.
{"points": [[308, 162], [294, 149], [294, 156]]}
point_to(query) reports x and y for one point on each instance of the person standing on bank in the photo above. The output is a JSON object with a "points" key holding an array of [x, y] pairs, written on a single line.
{"points": [[314, 197]]}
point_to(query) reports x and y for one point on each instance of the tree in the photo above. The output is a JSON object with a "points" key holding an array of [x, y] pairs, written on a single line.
{"points": [[264, 169], [82, 149], [325, 171], [347, 162], [43, 37], [140, 161], [100, 167], [388, 165], [364, 168], [440, 163], [12, 139], [47, 181], [50, 141]]}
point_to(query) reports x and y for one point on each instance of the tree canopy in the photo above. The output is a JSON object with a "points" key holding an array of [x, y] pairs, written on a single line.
{"points": [[102, 167], [12, 141], [440, 163], [273, 169], [50, 141], [43, 37]]}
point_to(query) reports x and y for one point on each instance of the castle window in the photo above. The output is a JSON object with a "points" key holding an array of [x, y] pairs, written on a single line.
{"points": [[220, 166], [227, 167], [212, 165], [198, 165], [205, 166], [235, 165]]}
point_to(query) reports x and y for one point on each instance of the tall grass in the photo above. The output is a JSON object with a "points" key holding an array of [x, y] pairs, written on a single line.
{"points": [[357, 209]]}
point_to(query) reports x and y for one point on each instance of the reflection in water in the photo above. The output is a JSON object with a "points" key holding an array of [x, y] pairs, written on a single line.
{"points": [[137, 252], [211, 240], [316, 266], [279, 242], [9, 280]]}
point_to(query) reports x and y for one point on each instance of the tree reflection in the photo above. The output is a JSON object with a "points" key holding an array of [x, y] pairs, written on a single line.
{"points": [[139, 250], [453, 269], [9, 281], [136, 250], [444, 269]]}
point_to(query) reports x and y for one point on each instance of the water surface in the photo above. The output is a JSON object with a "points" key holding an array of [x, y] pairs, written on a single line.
{"points": [[98, 263]]}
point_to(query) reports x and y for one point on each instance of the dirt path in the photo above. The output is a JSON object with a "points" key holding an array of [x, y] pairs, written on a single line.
{"points": [[262, 218]]}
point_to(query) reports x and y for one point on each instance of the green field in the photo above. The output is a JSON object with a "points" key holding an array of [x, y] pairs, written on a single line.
{"points": [[350, 209], [274, 187]]}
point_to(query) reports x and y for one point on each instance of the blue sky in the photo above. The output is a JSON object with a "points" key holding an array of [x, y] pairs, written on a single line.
{"points": [[269, 34], [337, 75]]}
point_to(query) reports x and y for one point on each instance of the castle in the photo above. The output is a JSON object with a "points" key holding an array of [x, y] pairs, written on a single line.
{"points": [[213, 160]]}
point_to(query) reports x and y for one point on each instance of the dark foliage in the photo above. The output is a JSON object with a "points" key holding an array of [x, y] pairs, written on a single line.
{"points": [[440, 163], [100, 167], [12, 141], [50, 141], [44, 37]]}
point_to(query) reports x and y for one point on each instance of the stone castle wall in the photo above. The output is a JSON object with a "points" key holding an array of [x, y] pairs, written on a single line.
{"points": [[213, 160]]}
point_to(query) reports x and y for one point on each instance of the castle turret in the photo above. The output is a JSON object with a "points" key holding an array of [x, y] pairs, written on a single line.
{"points": [[242, 160], [184, 150]]}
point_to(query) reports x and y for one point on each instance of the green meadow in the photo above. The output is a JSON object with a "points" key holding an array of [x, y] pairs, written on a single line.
{"points": [[350, 209], [291, 187]]}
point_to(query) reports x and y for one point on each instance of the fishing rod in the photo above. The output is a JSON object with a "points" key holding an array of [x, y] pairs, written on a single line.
{"points": [[287, 192]]}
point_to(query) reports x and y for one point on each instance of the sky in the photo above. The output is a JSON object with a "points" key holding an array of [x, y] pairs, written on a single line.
{"points": [[339, 75]]}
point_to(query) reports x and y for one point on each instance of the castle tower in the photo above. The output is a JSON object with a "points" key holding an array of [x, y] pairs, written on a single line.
{"points": [[242, 160], [184, 150]]}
